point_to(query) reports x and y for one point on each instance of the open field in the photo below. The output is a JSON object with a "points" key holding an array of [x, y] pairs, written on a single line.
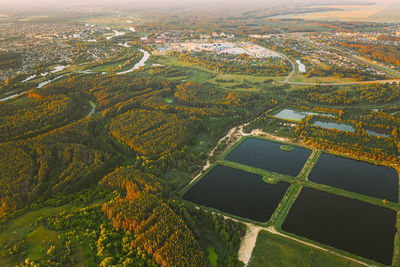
{"points": [[272, 250], [237, 82], [23, 231]]}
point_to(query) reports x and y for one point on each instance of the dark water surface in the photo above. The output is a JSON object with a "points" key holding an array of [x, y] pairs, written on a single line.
{"points": [[237, 192], [347, 224], [267, 155], [356, 176]]}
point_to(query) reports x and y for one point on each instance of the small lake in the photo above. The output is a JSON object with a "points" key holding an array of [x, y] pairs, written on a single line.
{"points": [[294, 115], [237, 192], [289, 114], [347, 224], [301, 66], [334, 125], [356, 176], [373, 133], [267, 155]]}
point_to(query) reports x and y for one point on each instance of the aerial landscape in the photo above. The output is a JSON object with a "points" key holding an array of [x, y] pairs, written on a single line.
{"points": [[200, 133]]}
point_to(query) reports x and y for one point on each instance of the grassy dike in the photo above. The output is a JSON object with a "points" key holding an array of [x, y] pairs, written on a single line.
{"points": [[296, 184]]}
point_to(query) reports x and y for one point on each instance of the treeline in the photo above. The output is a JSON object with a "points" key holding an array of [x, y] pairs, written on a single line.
{"points": [[158, 230], [340, 72], [233, 66], [104, 245], [356, 145], [369, 94], [385, 53], [225, 237]]}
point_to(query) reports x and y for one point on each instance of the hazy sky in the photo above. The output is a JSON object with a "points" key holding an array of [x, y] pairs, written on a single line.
{"points": [[35, 5], [52, 3]]}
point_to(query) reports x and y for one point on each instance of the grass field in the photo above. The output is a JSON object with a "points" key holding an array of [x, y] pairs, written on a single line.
{"points": [[273, 250], [37, 239], [237, 82]]}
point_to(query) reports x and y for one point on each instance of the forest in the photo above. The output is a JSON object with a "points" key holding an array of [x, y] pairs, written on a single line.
{"points": [[52, 152]]}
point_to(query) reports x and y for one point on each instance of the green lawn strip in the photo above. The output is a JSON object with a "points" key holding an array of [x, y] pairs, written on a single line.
{"points": [[92, 103], [212, 256], [396, 248], [284, 206], [352, 195], [309, 165], [273, 250], [261, 172], [286, 148]]}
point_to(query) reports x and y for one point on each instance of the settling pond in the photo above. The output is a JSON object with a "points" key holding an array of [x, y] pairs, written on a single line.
{"points": [[294, 115], [356, 176], [268, 156], [289, 114], [347, 224], [334, 125], [237, 192], [373, 133]]}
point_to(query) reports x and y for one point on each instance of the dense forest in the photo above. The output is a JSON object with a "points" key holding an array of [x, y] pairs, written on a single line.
{"points": [[52, 152]]}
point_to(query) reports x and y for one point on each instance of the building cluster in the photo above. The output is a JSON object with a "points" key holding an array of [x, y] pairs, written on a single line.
{"points": [[40, 45], [324, 49], [226, 48]]}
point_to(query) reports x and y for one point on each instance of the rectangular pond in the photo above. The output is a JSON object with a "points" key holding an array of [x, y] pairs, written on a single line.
{"points": [[334, 125], [237, 192], [347, 224], [356, 176], [269, 156]]}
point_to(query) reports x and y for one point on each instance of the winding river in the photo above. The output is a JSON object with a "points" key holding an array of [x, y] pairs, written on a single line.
{"points": [[141, 63]]}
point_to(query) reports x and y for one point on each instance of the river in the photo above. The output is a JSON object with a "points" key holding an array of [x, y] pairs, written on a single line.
{"points": [[116, 33], [141, 63]]}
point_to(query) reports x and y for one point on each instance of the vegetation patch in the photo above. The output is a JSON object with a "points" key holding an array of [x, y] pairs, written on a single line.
{"points": [[274, 250], [212, 256], [168, 100], [286, 148]]}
